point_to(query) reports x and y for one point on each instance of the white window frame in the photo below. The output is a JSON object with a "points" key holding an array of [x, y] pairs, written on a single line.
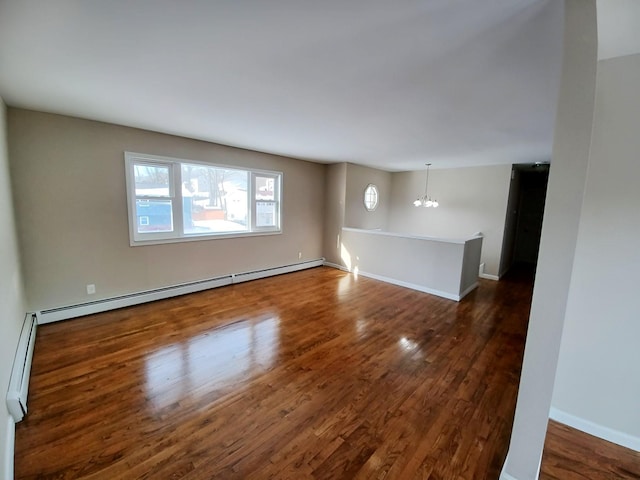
{"points": [[371, 194], [175, 188], [254, 201]]}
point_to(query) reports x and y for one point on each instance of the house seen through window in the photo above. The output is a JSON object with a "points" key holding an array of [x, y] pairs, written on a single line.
{"points": [[172, 200]]}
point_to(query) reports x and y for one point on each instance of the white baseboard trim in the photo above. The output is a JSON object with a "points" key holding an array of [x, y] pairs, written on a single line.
{"points": [[270, 272], [503, 474], [469, 289], [488, 276], [73, 311], [335, 265], [79, 310], [10, 448], [18, 391], [413, 286], [507, 476], [600, 431]]}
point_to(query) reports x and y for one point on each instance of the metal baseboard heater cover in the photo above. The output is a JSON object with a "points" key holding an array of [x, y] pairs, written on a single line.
{"points": [[73, 311], [19, 381]]}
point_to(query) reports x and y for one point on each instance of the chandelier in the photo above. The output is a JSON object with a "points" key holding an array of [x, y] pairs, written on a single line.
{"points": [[425, 200]]}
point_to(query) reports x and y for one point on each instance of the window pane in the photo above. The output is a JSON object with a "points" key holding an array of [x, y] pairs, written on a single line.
{"points": [[265, 188], [214, 199], [266, 214], [154, 216], [371, 197], [152, 180]]}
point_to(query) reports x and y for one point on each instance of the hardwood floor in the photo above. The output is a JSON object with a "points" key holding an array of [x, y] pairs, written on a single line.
{"points": [[311, 375], [572, 454]]}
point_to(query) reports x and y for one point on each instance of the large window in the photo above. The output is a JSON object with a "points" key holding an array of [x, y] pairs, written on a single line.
{"points": [[175, 200]]}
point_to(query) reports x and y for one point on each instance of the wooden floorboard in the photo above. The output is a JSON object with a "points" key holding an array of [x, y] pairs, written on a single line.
{"points": [[311, 375], [570, 454]]}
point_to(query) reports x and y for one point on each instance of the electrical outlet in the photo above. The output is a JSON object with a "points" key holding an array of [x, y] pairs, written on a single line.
{"points": [[91, 289], [299, 255]]}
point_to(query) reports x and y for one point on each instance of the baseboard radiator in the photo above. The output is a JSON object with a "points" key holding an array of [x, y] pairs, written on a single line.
{"points": [[73, 311], [19, 381]]}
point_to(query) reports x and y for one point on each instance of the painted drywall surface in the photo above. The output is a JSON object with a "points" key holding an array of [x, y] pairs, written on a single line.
{"points": [[435, 265], [598, 377], [470, 264], [618, 33], [71, 211], [471, 200], [563, 205], [11, 291], [334, 207], [356, 215]]}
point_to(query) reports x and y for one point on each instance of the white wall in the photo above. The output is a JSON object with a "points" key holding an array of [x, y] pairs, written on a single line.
{"points": [[598, 378], [12, 302], [448, 268], [471, 200], [563, 206], [71, 211]]}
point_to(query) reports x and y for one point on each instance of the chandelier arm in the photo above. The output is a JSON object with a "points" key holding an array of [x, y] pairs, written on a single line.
{"points": [[426, 182], [425, 200]]}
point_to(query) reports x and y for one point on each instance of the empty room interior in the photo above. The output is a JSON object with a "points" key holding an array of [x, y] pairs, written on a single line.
{"points": [[320, 240]]}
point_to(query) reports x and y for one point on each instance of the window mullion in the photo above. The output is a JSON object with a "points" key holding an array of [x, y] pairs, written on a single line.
{"points": [[251, 199], [176, 182]]}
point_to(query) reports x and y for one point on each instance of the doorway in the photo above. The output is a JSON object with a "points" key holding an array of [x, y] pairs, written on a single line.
{"points": [[525, 212]]}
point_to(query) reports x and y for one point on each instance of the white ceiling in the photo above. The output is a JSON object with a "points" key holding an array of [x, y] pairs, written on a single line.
{"points": [[386, 84]]}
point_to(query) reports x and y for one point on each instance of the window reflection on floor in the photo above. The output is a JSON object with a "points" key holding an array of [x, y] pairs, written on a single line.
{"points": [[212, 361]]}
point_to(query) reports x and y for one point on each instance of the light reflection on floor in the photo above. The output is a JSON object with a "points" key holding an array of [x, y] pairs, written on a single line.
{"points": [[407, 344], [345, 284], [212, 360], [362, 326], [411, 346]]}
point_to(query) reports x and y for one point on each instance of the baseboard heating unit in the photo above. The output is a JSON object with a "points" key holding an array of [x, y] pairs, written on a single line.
{"points": [[72, 311], [19, 381]]}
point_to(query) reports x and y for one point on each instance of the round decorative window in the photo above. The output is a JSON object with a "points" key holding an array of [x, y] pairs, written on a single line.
{"points": [[371, 197]]}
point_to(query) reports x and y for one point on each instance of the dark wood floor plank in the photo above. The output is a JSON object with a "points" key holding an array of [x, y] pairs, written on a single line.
{"points": [[570, 454], [311, 375]]}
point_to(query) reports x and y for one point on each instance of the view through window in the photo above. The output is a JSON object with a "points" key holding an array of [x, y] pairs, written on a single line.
{"points": [[172, 200]]}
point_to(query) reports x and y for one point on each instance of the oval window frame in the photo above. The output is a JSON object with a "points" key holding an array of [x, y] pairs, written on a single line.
{"points": [[371, 197]]}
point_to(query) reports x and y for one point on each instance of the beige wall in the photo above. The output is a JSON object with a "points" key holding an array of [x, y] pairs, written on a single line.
{"points": [[598, 377], [71, 211], [11, 294], [471, 200], [334, 208], [356, 215]]}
